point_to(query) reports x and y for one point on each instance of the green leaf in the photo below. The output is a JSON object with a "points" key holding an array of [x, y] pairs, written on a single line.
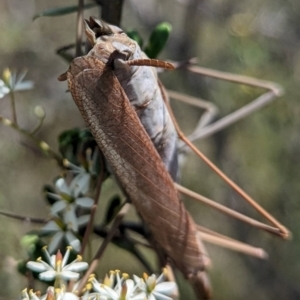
{"points": [[65, 55], [60, 11], [68, 137], [158, 39], [21, 267], [32, 244], [28, 241], [85, 134], [69, 144], [113, 209], [134, 35], [48, 189]]}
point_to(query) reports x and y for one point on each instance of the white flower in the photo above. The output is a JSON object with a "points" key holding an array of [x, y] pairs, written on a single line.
{"points": [[30, 296], [62, 232], [84, 173], [14, 82], [115, 287], [59, 294], [52, 294], [56, 267], [155, 288], [67, 201], [11, 82], [3, 89]]}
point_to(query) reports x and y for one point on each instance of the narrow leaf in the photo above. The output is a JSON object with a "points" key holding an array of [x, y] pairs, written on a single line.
{"points": [[60, 11], [158, 39], [113, 209]]}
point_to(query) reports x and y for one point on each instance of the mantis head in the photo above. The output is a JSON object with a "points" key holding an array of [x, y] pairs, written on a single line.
{"points": [[108, 42]]}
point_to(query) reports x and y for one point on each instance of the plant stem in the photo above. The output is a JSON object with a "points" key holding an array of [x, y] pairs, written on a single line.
{"points": [[39, 143], [79, 28], [23, 218], [13, 107], [104, 244], [112, 11], [89, 227]]}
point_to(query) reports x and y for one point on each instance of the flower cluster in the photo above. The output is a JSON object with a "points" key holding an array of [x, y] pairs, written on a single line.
{"points": [[68, 200], [65, 223], [116, 286], [56, 268]]}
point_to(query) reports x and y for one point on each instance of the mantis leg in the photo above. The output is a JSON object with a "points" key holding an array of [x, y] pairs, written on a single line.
{"points": [[228, 211], [273, 91], [220, 240]]}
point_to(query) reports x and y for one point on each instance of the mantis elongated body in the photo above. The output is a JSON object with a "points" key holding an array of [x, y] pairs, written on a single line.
{"points": [[141, 156], [125, 107]]}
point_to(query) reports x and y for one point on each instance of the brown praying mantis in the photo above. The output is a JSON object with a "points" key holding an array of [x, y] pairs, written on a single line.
{"points": [[127, 110]]}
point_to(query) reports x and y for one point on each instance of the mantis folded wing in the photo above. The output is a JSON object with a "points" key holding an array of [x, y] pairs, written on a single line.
{"points": [[136, 163]]}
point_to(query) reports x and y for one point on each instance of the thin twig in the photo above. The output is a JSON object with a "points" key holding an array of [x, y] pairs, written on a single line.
{"points": [[111, 11], [38, 126], [126, 242], [89, 227], [13, 107], [79, 28], [104, 244], [42, 145], [30, 280], [23, 218]]}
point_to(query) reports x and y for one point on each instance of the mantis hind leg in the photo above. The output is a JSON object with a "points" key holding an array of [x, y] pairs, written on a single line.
{"points": [[272, 91]]}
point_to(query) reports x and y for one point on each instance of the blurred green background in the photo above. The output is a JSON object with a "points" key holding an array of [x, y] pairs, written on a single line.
{"points": [[261, 153]]}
